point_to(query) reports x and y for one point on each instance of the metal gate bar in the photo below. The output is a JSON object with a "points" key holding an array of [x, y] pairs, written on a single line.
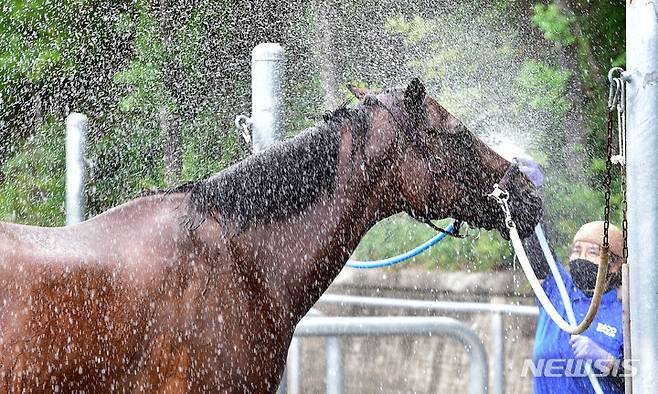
{"points": [[397, 326]]}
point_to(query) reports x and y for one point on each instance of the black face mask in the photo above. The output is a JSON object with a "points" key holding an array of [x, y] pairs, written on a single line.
{"points": [[583, 273]]}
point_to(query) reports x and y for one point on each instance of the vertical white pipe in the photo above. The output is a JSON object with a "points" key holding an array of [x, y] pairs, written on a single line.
{"points": [[498, 352], [335, 373], [76, 144], [642, 184], [267, 73], [293, 378], [625, 275]]}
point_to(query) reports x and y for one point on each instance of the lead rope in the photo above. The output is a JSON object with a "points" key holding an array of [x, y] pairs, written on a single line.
{"points": [[501, 196], [565, 299], [616, 98]]}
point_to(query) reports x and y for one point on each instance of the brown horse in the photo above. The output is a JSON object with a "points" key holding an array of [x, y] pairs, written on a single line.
{"points": [[199, 289]]}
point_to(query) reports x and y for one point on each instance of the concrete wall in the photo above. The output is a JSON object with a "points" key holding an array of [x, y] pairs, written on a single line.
{"points": [[422, 364]]}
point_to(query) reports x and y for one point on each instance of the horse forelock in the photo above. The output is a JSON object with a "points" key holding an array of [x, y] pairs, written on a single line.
{"points": [[280, 182]]}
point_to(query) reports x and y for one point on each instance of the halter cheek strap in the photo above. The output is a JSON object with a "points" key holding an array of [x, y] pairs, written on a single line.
{"points": [[406, 124], [401, 117], [512, 170]]}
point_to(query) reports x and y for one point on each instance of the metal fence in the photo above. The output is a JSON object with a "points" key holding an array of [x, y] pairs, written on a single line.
{"points": [[342, 326]]}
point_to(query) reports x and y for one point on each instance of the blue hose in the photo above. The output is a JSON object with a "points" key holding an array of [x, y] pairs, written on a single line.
{"points": [[402, 257]]}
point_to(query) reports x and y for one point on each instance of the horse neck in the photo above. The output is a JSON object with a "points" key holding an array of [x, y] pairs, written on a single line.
{"points": [[308, 251]]}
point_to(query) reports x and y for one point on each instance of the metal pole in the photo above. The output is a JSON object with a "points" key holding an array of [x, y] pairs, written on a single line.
{"points": [[335, 375], [642, 183], [404, 325], [334, 354], [293, 380], [628, 380], [267, 73], [498, 350], [496, 309], [451, 306], [76, 144]]}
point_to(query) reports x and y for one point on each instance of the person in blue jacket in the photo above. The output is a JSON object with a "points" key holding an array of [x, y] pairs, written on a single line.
{"points": [[559, 358]]}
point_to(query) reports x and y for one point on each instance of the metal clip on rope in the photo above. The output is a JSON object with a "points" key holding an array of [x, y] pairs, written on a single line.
{"points": [[617, 100], [501, 197], [243, 123], [617, 95]]}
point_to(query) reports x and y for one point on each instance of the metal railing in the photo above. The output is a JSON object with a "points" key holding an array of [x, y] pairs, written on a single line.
{"points": [[334, 357], [334, 363], [334, 327]]}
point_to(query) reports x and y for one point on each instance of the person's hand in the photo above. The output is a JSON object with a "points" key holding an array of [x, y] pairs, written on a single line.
{"points": [[531, 169], [586, 349]]}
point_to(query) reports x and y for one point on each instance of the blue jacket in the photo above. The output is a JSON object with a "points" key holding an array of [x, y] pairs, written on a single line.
{"points": [[564, 374]]}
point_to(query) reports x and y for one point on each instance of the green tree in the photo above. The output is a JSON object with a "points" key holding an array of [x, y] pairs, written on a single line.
{"points": [[47, 49], [506, 84], [499, 66], [197, 67]]}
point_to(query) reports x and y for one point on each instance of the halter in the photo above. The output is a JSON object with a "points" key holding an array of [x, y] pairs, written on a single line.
{"points": [[404, 121], [388, 102], [406, 124]]}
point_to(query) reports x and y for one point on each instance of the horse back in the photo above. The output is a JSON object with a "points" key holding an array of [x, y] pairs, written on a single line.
{"points": [[79, 300]]}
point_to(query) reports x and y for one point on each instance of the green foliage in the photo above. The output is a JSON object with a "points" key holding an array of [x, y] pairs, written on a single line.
{"points": [[126, 161], [129, 159], [186, 66], [414, 31], [603, 26], [45, 48], [477, 58], [544, 86], [33, 192], [302, 100], [143, 75], [483, 75], [553, 23], [203, 155], [33, 39], [571, 205]]}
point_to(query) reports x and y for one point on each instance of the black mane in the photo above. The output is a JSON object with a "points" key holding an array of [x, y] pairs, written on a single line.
{"points": [[282, 181]]}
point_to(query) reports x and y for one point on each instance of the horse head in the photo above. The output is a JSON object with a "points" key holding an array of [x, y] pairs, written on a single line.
{"points": [[444, 170]]}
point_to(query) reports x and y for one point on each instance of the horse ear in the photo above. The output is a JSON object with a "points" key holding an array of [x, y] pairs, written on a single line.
{"points": [[414, 96], [358, 92]]}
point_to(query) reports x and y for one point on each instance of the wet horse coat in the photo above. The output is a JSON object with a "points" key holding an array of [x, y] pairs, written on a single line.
{"points": [[200, 289]]}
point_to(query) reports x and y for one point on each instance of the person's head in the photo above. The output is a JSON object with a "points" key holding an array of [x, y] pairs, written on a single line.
{"points": [[586, 252]]}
